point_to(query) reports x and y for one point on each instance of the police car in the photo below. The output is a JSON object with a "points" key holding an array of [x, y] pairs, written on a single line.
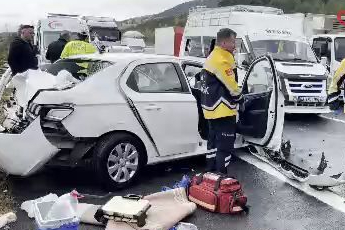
{"points": [[131, 110]]}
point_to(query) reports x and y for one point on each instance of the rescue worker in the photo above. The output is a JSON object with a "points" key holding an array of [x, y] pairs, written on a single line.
{"points": [[220, 96], [55, 48], [334, 89], [22, 55], [78, 47]]}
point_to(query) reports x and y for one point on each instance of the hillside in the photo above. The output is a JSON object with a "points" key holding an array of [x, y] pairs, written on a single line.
{"points": [[176, 16]]}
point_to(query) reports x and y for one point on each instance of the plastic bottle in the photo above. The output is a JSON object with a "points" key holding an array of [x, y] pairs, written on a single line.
{"points": [[65, 207]]}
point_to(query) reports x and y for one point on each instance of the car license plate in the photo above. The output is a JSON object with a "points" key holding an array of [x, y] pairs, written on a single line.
{"points": [[309, 99]]}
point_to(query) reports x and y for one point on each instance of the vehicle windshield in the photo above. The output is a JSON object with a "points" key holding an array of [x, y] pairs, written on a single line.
{"points": [[105, 34], [283, 50], [339, 44], [49, 37]]}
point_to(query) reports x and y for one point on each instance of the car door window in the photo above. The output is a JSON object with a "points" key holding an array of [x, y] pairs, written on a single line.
{"points": [[191, 72], [260, 79], [240, 47], [207, 43], [155, 78], [193, 47], [322, 48]]}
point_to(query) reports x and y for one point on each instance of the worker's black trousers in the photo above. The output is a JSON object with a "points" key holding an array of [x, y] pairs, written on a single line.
{"points": [[220, 144]]}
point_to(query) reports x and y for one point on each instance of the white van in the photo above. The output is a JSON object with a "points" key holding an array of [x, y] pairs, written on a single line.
{"points": [[102, 30], [48, 30], [134, 40], [262, 30]]}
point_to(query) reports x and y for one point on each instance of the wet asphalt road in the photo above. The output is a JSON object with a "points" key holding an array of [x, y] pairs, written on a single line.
{"points": [[274, 204]]}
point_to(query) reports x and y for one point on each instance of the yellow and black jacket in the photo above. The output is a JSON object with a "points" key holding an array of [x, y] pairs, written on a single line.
{"points": [[77, 48], [219, 91], [337, 81]]}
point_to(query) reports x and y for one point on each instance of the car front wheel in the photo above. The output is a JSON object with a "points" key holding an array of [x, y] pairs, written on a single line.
{"points": [[119, 158]]}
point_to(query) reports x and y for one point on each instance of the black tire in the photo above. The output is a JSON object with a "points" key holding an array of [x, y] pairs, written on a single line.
{"points": [[102, 152]]}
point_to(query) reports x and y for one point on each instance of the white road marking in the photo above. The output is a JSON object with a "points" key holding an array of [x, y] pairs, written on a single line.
{"points": [[325, 196], [332, 119]]}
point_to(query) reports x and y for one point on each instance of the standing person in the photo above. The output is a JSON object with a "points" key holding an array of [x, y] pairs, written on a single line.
{"points": [[220, 97], [77, 47], [334, 90], [55, 48], [22, 56]]}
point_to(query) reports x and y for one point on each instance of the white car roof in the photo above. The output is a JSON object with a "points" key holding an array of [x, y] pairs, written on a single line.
{"points": [[124, 57]]}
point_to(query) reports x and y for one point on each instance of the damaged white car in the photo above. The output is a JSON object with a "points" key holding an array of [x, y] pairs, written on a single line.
{"points": [[120, 112]]}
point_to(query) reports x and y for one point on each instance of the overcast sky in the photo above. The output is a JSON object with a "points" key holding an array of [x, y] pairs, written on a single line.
{"points": [[15, 12]]}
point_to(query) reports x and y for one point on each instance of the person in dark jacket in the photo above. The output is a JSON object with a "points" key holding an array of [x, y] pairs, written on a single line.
{"points": [[22, 56], [55, 48]]}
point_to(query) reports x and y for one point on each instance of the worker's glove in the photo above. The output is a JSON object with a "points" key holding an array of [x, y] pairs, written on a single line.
{"points": [[333, 101]]}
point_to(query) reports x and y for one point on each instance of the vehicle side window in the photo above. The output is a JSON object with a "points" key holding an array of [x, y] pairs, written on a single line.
{"points": [[193, 47], [155, 78], [322, 48], [260, 79], [207, 41], [240, 47], [191, 71]]}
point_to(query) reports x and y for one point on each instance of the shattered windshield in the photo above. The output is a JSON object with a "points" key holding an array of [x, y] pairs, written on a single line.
{"points": [[105, 34], [283, 50], [79, 68], [339, 44]]}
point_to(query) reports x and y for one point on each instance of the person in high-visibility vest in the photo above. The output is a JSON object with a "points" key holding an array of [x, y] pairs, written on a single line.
{"points": [[334, 88], [79, 47]]}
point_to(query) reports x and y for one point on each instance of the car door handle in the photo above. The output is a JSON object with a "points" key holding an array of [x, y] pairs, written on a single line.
{"points": [[152, 107]]}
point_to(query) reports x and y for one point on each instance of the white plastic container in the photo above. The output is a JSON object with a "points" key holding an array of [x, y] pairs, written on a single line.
{"points": [[65, 206], [186, 226], [41, 210]]}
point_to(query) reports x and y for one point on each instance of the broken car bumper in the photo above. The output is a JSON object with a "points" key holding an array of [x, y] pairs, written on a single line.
{"points": [[23, 154]]}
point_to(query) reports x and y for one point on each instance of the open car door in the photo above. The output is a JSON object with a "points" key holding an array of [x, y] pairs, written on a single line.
{"points": [[261, 116]]}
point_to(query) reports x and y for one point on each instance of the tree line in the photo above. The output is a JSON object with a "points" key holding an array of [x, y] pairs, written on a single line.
{"points": [[294, 6]]}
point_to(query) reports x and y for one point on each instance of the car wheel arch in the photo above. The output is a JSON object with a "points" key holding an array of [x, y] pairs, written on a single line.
{"points": [[119, 132]]}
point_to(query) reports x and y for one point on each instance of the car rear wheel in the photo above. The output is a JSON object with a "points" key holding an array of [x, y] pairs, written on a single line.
{"points": [[119, 159]]}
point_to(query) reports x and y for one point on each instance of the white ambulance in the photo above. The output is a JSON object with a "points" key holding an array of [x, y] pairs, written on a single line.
{"points": [[48, 30]]}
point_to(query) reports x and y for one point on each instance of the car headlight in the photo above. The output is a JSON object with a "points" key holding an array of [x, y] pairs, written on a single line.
{"points": [[58, 114]]}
